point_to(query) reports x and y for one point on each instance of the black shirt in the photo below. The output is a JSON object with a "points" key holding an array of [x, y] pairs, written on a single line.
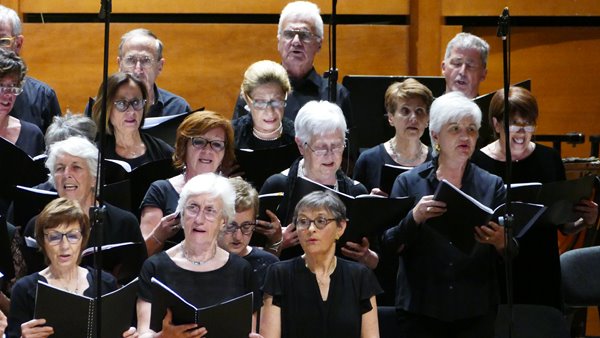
{"points": [[37, 104]]}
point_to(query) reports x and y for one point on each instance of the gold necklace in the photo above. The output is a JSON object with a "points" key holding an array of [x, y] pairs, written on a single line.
{"points": [[398, 158]]}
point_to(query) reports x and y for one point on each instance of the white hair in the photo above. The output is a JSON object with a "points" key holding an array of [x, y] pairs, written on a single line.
{"points": [[451, 107], [8, 14], [317, 118], [215, 186], [302, 11], [74, 146], [469, 41]]}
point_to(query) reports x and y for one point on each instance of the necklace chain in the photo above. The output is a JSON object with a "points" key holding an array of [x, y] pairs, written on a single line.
{"points": [[189, 259], [66, 286], [398, 158]]}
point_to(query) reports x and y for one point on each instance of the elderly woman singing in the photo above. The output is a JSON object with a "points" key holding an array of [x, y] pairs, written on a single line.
{"points": [[441, 291]]}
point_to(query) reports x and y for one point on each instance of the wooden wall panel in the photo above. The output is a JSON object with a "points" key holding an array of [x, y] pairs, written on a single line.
{"points": [[563, 64], [204, 63], [521, 8], [389, 7]]}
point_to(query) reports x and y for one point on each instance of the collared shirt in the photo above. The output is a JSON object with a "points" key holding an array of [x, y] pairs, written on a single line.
{"points": [[311, 87], [37, 104], [435, 278]]}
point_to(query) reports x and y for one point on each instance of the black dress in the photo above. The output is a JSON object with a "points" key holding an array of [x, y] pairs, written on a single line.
{"points": [[260, 260], [202, 289], [367, 169], [156, 149], [31, 139], [22, 300], [536, 269], [304, 313]]}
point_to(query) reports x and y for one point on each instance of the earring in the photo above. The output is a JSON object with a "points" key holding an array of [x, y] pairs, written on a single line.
{"points": [[436, 147]]}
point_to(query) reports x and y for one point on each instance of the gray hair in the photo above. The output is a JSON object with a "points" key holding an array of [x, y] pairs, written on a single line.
{"points": [[8, 14], [68, 125], [263, 72], [302, 10], [322, 200], [75, 146], [451, 107], [142, 32], [246, 197], [469, 41], [215, 186], [317, 118]]}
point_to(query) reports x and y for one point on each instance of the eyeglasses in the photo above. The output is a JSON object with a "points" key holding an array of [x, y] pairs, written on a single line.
{"points": [[7, 41], [458, 63], [304, 36], [262, 104], [11, 90], [123, 105], [132, 61], [193, 210], [513, 128], [246, 227], [55, 237], [322, 151], [201, 143], [320, 222]]}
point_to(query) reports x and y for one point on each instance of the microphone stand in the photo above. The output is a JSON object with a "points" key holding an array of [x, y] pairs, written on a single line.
{"points": [[503, 32], [332, 74], [98, 211]]}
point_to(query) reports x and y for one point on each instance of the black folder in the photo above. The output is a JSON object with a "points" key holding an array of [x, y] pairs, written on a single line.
{"points": [[126, 189], [388, 176], [367, 214], [165, 127], [230, 319], [265, 202], [7, 268], [18, 168], [29, 202], [464, 213], [72, 315], [258, 165], [126, 257]]}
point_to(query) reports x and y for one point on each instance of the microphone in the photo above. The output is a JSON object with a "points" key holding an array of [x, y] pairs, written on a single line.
{"points": [[503, 22]]}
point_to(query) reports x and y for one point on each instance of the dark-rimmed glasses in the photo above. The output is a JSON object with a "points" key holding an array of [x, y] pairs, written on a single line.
{"points": [[201, 143], [513, 128], [246, 227], [55, 237], [123, 105], [322, 151], [320, 222], [303, 35]]}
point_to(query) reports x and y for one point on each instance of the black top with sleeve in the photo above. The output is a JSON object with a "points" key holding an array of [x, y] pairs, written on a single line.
{"points": [[37, 104], [435, 278], [163, 195], [536, 270], [367, 169], [245, 139], [311, 87], [304, 313], [31, 139], [156, 149], [22, 300], [260, 260], [202, 289], [285, 181]]}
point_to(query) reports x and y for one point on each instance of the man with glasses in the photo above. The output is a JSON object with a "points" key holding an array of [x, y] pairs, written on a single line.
{"points": [[140, 54], [300, 35], [465, 64], [37, 103], [235, 237]]}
